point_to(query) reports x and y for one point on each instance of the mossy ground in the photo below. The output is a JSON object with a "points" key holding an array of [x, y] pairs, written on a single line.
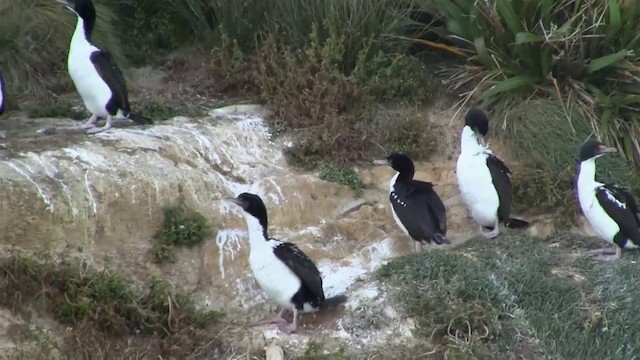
{"points": [[521, 297]]}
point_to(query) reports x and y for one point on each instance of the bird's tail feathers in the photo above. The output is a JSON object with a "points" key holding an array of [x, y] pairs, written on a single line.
{"points": [[139, 119], [514, 223], [333, 302], [440, 239]]}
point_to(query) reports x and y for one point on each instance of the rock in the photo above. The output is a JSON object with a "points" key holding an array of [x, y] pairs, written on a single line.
{"points": [[274, 352], [102, 197]]}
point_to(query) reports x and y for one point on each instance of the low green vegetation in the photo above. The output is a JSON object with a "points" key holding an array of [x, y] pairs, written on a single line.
{"points": [[102, 311], [342, 175], [181, 226], [520, 296]]}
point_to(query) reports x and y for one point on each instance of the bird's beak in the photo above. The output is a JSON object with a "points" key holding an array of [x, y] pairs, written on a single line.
{"points": [[381, 162], [65, 2], [606, 149], [236, 201]]}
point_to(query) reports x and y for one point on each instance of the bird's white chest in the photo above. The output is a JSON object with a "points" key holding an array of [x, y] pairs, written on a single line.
{"points": [[391, 194], [477, 189], [274, 277], [94, 92], [601, 222]]}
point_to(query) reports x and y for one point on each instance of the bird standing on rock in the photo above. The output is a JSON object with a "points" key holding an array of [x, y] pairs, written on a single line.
{"points": [[283, 271], [483, 179], [416, 207], [612, 211], [95, 74]]}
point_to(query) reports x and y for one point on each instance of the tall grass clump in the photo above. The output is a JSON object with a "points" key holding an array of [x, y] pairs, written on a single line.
{"points": [[34, 41], [582, 52]]}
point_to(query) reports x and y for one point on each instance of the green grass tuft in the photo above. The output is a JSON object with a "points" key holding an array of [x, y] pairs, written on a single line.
{"points": [[520, 296], [344, 176], [182, 226]]}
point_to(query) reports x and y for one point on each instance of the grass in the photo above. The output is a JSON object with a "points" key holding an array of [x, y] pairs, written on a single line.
{"points": [[344, 176], [105, 315], [520, 296], [181, 226]]}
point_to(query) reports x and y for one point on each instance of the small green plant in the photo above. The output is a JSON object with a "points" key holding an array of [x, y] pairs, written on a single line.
{"points": [[182, 226], [342, 175], [159, 110]]}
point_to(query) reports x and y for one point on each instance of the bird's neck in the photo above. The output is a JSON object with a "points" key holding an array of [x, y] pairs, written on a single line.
{"points": [[587, 173], [258, 236], [469, 142], [84, 29]]}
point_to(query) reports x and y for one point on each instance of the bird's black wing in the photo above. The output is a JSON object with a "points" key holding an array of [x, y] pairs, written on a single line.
{"points": [[622, 208], [438, 210], [302, 266], [501, 181], [419, 209], [111, 74]]}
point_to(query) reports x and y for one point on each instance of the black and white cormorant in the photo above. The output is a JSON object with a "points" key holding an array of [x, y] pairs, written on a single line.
{"points": [[95, 74], [416, 207], [284, 272], [1, 93], [483, 179], [610, 209]]}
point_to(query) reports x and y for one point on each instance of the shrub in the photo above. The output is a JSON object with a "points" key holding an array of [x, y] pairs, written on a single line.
{"points": [[582, 52], [330, 115], [34, 41], [182, 226]]}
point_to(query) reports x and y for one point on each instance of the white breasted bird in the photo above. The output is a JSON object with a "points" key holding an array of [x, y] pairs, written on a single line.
{"points": [[285, 273], [611, 210], [95, 74]]}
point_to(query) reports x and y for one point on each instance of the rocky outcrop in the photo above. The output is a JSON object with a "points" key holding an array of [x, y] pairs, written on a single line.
{"points": [[101, 197]]}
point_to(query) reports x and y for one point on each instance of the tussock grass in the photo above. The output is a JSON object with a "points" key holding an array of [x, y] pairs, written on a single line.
{"points": [[106, 316], [583, 53], [520, 296]]}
